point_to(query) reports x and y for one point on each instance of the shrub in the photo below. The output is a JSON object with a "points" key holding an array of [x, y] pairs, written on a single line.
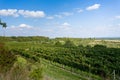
{"points": [[36, 74], [7, 58]]}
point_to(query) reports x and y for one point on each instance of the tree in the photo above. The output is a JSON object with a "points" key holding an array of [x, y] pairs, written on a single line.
{"points": [[4, 25]]}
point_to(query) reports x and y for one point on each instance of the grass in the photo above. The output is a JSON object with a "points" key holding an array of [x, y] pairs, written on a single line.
{"points": [[55, 73], [32, 44], [52, 72]]}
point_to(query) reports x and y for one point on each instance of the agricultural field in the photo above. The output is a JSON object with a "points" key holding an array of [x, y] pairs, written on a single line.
{"points": [[60, 40], [62, 58]]}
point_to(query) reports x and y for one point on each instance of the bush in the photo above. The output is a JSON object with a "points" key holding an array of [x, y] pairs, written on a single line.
{"points": [[7, 58], [36, 74], [23, 70]]}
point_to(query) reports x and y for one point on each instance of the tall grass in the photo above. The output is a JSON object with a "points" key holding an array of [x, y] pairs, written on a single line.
{"points": [[15, 67]]}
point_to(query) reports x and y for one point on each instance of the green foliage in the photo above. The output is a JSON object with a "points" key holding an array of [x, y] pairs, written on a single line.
{"points": [[36, 74], [4, 25], [69, 44], [96, 59], [58, 44], [40, 39], [23, 70], [15, 67], [20, 70], [92, 56], [21, 61], [7, 58], [99, 46]]}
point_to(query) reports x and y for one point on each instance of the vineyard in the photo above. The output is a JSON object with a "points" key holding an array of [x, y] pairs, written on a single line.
{"points": [[64, 58]]}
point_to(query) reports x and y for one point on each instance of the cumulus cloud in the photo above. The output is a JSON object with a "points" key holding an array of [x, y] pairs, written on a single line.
{"points": [[34, 14], [21, 26], [20, 30], [93, 7], [24, 26], [65, 26], [24, 13], [27, 30], [65, 30], [9, 12]]}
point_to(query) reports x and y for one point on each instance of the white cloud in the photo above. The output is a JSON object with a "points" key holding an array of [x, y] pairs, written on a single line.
{"points": [[21, 26], [98, 31], [28, 30], [93, 7], [24, 13], [64, 30], [33, 14], [9, 12], [65, 26], [117, 17], [24, 26], [50, 17], [20, 30]]}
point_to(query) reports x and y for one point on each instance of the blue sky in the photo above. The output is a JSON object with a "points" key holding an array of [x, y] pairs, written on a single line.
{"points": [[61, 18]]}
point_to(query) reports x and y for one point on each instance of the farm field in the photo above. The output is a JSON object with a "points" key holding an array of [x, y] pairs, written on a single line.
{"points": [[59, 40], [69, 58]]}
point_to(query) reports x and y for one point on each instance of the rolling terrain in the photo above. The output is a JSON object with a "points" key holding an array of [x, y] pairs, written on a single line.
{"points": [[68, 58]]}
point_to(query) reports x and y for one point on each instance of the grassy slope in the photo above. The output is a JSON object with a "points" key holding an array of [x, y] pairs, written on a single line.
{"points": [[55, 73], [52, 72]]}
